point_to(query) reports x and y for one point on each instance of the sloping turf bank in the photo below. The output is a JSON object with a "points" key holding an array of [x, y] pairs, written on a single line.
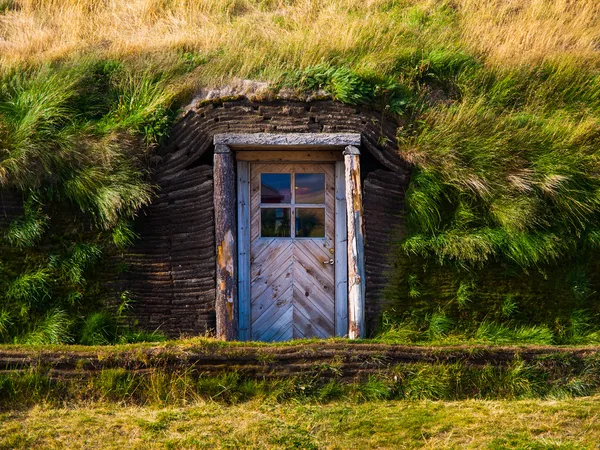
{"points": [[319, 371]]}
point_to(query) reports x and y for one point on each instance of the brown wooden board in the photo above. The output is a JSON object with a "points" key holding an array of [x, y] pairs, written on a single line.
{"points": [[289, 155]]}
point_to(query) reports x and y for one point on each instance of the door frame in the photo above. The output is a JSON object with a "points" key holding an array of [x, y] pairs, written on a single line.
{"points": [[232, 201]]}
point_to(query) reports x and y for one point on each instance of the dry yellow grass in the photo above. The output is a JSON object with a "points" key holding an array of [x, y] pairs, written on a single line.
{"points": [[570, 424], [257, 38], [512, 32], [248, 35]]}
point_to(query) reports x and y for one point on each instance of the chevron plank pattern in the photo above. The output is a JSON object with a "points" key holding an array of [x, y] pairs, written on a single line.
{"points": [[292, 291]]}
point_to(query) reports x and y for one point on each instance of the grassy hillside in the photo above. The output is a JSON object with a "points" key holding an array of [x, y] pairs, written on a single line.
{"points": [[500, 107]]}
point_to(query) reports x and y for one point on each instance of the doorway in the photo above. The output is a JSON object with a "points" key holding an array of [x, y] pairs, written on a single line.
{"points": [[292, 248]]}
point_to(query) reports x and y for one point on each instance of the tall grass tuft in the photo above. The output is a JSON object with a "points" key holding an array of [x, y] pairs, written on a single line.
{"points": [[54, 328], [74, 139]]}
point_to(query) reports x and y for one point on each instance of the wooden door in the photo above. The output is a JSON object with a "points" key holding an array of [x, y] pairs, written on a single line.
{"points": [[292, 236]]}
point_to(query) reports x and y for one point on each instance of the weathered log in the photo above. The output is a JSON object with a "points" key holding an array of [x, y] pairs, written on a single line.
{"points": [[356, 265], [226, 250]]}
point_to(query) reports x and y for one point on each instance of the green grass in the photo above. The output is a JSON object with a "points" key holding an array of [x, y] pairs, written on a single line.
{"points": [[75, 139], [142, 374], [501, 238], [572, 424]]}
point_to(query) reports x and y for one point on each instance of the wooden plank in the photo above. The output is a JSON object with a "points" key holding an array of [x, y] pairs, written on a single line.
{"points": [[254, 201], [341, 253], [266, 334], [307, 326], [285, 334], [225, 235], [356, 266], [272, 309], [258, 247], [244, 302], [272, 283], [309, 308], [272, 252], [287, 156], [321, 274], [322, 303]]}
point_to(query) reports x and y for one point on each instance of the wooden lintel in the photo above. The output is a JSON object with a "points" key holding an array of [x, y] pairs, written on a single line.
{"points": [[356, 265], [225, 238], [291, 156]]}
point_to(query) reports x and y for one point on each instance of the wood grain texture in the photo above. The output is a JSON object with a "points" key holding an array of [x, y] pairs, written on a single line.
{"points": [[341, 253], [225, 237], [243, 203], [237, 140], [292, 291], [356, 268], [286, 156]]}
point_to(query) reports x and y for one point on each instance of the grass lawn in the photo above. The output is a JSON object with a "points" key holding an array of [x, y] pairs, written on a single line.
{"points": [[526, 424]]}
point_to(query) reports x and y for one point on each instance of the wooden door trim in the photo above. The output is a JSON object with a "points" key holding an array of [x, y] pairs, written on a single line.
{"points": [[239, 141], [341, 253], [277, 156], [243, 208], [238, 299]]}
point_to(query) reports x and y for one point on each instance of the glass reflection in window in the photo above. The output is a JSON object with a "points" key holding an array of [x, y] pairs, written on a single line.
{"points": [[275, 222], [310, 222], [275, 188], [310, 188]]}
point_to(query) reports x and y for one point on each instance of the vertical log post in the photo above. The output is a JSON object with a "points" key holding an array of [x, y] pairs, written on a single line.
{"points": [[226, 251], [356, 265]]}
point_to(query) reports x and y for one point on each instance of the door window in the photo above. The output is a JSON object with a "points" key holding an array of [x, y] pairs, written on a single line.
{"points": [[292, 213], [275, 188]]}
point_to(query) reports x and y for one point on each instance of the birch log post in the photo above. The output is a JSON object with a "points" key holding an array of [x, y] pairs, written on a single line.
{"points": [[226, 251], [356, 265]]}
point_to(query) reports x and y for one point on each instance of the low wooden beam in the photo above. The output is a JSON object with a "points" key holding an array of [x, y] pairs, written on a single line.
{"points": [[226, 249], [356, 264], [289, 156]]}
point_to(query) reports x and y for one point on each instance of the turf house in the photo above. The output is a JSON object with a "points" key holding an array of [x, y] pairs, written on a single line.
{"points": [[259, 264]]}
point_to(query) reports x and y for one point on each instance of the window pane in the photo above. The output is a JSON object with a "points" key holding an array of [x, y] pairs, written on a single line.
{"points": [[275, 188], [275, 222], [310, 222], [310, 188]]}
